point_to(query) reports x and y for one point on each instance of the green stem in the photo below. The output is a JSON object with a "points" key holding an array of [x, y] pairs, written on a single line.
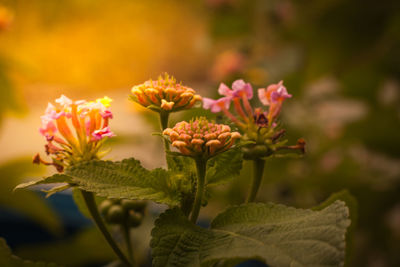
{"points": [[127, 237], [258, 171], [164, 125], [201, 165], [92, 207]]}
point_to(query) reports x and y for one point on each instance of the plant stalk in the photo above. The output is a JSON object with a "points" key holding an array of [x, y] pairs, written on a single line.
{"points": [[164, 116], [92, 207], [127, 237], [258, 171], [201, 165]]}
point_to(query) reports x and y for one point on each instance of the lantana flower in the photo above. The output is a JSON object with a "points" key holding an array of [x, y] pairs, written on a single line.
{"points": [[258, 126], [165, 94], [75, 130], [200, 137]]}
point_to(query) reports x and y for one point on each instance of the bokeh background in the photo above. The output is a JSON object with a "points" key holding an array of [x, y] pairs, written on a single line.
{"points": [[339, 58]]}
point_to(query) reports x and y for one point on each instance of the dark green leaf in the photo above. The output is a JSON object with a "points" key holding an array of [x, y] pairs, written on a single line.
{"points": [[275, 234], [352, 204], [124, 179], [223, 167]]}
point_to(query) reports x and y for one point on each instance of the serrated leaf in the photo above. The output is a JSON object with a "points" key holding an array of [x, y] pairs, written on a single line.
{"points": [[351, 203], [223, 167], [124, 179], [56, 178], [275, 234], [9, 260]]}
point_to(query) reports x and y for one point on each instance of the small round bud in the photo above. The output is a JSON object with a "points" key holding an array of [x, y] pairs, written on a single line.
{"points": [[115, 214], [105, 206], [134, 218], [136, 205]]}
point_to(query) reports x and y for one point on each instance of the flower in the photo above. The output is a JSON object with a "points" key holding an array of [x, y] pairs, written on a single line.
{"points": [[259, 127], [273, 96], [90, 120], [200, 137], [165, 95]]}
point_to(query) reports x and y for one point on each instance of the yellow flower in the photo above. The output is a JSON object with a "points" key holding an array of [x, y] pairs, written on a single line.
{"points": [[165, 94]]}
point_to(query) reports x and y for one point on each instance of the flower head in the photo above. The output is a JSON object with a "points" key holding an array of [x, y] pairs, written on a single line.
{"points": [[257, 125], [200, 137], [75, 130], [165, 94]]}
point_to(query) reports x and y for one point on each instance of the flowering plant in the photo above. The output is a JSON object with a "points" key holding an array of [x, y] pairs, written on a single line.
{"points": [[199, 154]]}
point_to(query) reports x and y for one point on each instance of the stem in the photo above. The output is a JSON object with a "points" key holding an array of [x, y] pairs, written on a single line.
{"points": [[92, 207], [164, 125], [258, 170], [127, 237], [201, 165]]}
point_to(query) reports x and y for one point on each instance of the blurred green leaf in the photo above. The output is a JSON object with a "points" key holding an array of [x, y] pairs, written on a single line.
{"points": [[7, 259], [85, 248], [26, 202]]}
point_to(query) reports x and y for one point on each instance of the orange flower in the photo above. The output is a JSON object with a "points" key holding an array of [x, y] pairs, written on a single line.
{"points": [[89, 120], [165, 95], [201, 137]]}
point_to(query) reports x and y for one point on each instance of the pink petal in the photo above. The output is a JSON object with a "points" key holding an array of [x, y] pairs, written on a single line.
{"points": [[224, 90]]}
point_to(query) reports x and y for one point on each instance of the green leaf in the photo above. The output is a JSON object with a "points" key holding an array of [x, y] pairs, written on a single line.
{"points": [[124, 179], [56, 178], [352, 204], [26, 202], [275, 234], [223, 167], [9, 260]]}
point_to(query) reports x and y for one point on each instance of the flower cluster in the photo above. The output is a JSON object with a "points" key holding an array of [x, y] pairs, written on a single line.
{"points": [[201, 138], [90, 121], [165, 94], [259, 126]]}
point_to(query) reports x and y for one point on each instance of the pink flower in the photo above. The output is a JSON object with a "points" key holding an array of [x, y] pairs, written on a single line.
{"points": [[216, 105], [239, 87], [100, 134], [273, 94], [89, 122]]}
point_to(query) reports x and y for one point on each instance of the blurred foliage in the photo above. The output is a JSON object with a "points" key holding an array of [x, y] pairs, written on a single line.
{"points": [[87, 247], [9, 260], [26, 202]]}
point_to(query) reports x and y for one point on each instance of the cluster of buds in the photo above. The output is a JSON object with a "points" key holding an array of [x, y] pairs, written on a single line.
{"points": [[201, 138], [90, 120], [165, 94], [259, 126], [123, 211], [6, 18]]}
